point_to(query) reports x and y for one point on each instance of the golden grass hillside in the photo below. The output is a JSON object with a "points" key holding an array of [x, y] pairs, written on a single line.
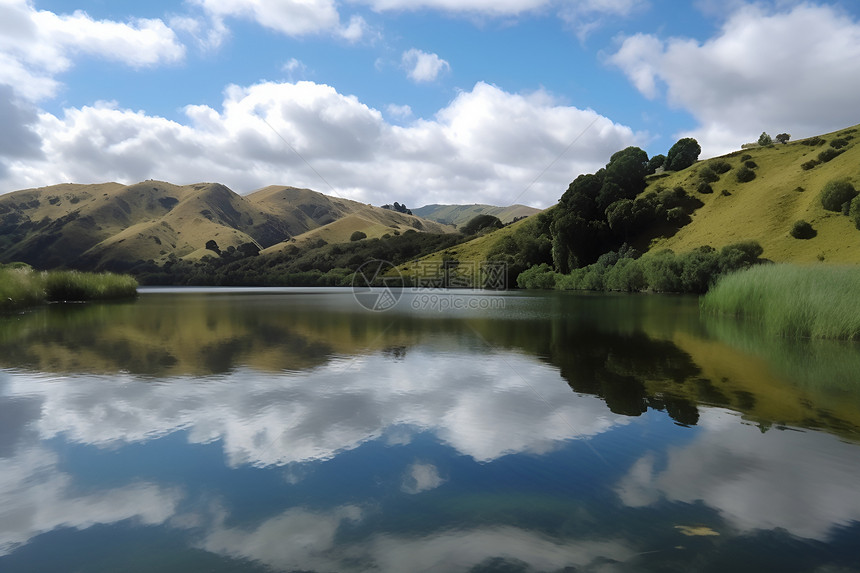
{"points": [[109, 225], [765, 208]]}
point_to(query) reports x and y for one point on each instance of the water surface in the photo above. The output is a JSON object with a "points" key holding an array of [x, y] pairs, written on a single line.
{"points": [[293, 430]]}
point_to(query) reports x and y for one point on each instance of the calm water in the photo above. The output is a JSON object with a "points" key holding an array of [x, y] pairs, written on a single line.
{"points": [[295, 431]]}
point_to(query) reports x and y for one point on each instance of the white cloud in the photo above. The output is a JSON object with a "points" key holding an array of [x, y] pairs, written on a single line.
{"points": [[399, 111], [423, 67], [35, 45], [266, 420], [36, 497], [795, 71], [732, 468], [462, 154], [303, 539], [290, 17], [421, 477]]}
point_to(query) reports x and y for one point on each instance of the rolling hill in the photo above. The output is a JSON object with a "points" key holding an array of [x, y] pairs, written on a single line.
{"points": [[763, 209], [459, 215], [110, 225]]}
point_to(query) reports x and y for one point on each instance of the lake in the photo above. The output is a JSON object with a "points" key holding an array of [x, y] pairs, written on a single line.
{"points": [[295, 430]]}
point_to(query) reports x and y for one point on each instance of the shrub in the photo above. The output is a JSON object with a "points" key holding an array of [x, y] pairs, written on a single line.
{"points": [[745, 174], [814, 141], [704, 188], [829, 154], [626, 275], [746, 157], [809, 164], [725, 193], [838, 143], [802, 230], [799, 189], [720, 166], [836, 193], [750, 163], [708, 175], [357, 236], [783, 138], [739, 255], [537, 277], [854, 212]]}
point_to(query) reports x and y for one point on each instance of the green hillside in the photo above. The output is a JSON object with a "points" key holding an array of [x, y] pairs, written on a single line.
{"points": [[459, 215], [765, 208], [686, 214]]}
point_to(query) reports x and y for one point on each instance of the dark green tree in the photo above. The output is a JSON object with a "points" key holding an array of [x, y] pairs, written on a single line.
{"points": [[683, 154], [480, 222]]}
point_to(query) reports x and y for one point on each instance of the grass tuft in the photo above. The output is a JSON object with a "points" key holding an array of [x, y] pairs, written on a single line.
{"points": [[792, 301], [22, 287]]}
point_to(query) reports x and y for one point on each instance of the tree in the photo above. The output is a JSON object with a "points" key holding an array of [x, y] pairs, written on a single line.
{"points": [[656, 163], [764, 139], [683, 154], [357, 236], [249, 249], [783, 138], [480, 222], [211, 245]]}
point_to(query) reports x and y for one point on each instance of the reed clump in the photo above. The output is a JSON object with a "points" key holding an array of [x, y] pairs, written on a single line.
{"points": [[791, 300], [22, 287]]}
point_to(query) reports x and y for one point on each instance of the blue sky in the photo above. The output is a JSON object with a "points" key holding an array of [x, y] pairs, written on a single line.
{"points": [[427, 101]]}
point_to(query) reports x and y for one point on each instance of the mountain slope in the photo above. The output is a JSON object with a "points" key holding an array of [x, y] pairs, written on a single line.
{"points": [[110, 225], [765, 208], [459, 215]]}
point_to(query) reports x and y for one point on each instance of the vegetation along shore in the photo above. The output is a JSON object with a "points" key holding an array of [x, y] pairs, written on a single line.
{"points": [[23, 287]]}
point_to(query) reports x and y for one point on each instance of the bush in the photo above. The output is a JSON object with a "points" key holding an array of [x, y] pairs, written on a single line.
{"points": [[806, 166], [802, 230], [750, 163], [829, 154], [357, 236], [836, 193], [704, 188], [813, 141], [720, 166], [708, 175], [746, 157], [725, 193], [854, 211], [838, 143], [537, 277], [745, 174]]}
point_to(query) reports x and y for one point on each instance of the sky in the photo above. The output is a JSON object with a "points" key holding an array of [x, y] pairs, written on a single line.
{"points": [[416, 101]]}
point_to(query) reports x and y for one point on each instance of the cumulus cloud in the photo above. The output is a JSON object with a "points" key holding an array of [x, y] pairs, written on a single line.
{"points": [[290, 17], [266, 420], [461, 154], [732, 468], [795, 71], [19, 141], [303, 539], [421, 477], [36, 45], [423, 67], [36, 497]]}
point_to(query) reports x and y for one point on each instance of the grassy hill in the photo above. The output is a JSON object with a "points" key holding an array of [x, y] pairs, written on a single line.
{"points": [[110, 225], [765, 208], [459, 215]]}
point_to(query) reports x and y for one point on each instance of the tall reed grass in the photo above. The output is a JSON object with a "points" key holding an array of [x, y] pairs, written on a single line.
{"points": [[793, 301], [22, 287]]}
